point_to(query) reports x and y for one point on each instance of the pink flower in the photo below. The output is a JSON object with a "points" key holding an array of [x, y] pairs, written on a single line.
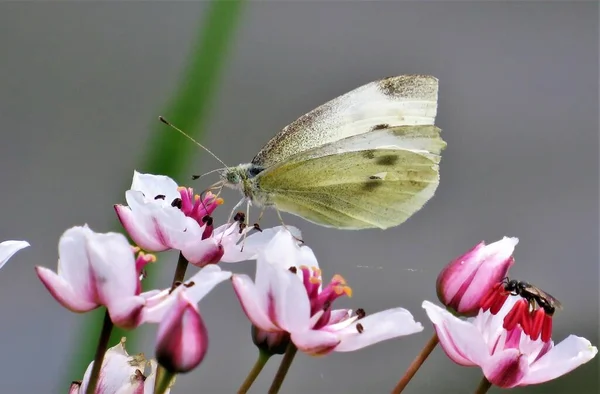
{"points": [[9, 248], [467, 279], [161, 216], [287, 296], [182, 339], [96, 269], [507, 358], [159, 304], [120, 374]]}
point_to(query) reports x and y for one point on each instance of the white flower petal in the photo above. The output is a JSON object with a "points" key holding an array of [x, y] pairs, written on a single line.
{"points": [[204, 281], [569, 354], [315, 342], [460, 339], [252, 302], [9, 248], [378, 327], [113, 263], [154, 185]]}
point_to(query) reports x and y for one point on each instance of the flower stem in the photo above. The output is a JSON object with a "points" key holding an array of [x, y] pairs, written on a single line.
{"points": [[260, 363], [107, 327], [416, 364], [288, 357], [182, 265], [164, 377], [163, 380], [484, 386]]}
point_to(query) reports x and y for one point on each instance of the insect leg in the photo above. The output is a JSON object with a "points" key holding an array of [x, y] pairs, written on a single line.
{"points": [[247, 228], [229, 220], [284, 226]]}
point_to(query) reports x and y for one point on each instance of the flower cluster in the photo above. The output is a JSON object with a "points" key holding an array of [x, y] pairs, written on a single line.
{"points": [[500, 325]]}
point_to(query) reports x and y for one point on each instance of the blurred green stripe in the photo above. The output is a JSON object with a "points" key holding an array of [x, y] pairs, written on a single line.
{"points": [[169, 153]]}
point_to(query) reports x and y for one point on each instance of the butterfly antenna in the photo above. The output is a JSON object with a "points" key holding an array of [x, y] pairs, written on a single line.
{"points": [[194, 177], [191, 139]]}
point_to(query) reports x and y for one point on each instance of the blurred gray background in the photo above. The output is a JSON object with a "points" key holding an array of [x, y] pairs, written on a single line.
{"points": [[82, 83]]}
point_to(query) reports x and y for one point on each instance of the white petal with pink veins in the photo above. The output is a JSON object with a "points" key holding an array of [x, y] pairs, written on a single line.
{"points": [[113, 266], [569, 354], [73, 263], [63, 292], [505, 368], [315, 342], [448, 328], [9, 248], [285, 295], [253, 303], [378, 327]]}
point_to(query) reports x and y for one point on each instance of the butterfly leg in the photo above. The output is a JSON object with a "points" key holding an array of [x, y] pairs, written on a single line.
{"points": [[285, 227], [246, 230], [230, 218]]}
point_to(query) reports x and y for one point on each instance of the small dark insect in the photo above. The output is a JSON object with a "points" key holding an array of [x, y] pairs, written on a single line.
{"points": [[532, 294]]}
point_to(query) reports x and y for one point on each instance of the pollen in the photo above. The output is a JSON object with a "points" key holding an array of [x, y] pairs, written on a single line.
{"points": [[314, 280], [196, 197], [181, 188], [219, 201], [136, 249], [343, 289], [338, 278]]}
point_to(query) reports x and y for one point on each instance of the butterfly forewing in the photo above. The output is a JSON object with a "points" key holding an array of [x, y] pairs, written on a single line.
{"points": [[390, 102]]}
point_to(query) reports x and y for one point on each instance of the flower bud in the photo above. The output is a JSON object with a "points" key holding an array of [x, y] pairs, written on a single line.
{"points": [[270, 343], [182, 338], [465, 280]]}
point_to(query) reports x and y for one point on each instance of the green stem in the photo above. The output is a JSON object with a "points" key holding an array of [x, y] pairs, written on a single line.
{"points": [[416, 364], [182, 265], [288, 357], [260, 363], [163, 380], [107, 327], [484, 386]]}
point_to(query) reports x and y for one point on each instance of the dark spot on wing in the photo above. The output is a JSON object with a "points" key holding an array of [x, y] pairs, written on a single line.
{"points": [[369, 154], [387, 160], [380, 126], [372, 184]]}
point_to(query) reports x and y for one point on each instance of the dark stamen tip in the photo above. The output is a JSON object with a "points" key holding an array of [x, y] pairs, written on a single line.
{"points": [[164, 120], [360, 312], [293, 270], [360, 328], [257, 227], [194, 177], [177, 203], [189, 284], [160, 197]]}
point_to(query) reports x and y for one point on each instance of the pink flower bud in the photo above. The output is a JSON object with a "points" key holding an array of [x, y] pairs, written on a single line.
{"points": [[462, 283], [182, 338]]}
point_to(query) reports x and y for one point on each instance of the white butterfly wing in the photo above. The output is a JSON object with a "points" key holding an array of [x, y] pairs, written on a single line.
{"points": [[373, 180], [405, 100]]}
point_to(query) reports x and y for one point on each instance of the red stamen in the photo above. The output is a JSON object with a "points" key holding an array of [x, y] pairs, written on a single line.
{"points": [[537, 322], [488, 298], [513, 317], [526, 321], [498, 303], [547, 328]]}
